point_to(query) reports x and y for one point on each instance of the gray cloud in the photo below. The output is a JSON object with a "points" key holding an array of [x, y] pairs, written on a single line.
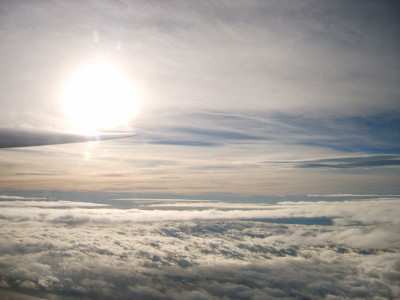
{"points": [[364, 161]]}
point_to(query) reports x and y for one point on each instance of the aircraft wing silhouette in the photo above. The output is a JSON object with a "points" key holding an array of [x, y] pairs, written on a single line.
{"points": [[11, 138]]}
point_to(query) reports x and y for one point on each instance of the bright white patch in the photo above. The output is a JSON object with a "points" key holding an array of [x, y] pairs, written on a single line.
{"points": [[99, 97]]}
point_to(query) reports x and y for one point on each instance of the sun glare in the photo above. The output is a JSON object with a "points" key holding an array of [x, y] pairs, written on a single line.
{"points": [[99, 97]]}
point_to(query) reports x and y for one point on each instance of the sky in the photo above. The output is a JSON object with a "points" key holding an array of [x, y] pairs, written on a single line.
{"points": [[241, 97], [265, 162]]}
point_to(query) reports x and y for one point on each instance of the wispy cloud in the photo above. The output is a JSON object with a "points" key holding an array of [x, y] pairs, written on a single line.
{"points": [[13, 197], [303, 57], [226, 86], [365, 161]]}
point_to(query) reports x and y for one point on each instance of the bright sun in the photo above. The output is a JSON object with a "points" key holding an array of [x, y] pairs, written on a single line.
{"points": [[99, 97]]}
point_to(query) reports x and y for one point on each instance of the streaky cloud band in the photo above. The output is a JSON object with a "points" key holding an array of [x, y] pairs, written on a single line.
{"points": [[362, 161]]}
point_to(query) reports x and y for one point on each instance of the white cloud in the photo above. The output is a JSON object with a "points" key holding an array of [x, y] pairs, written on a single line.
{"points": [[47, 204], [179, 260], [367, 212], [10, 197], [204, 251]]}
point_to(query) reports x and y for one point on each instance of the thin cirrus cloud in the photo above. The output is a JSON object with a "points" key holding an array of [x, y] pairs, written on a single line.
{"points": [[225, 87], [377, 134], [306, 57], [366, 161]]}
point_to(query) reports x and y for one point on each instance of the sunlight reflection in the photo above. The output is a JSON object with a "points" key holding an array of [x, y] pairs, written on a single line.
{"points": [[87, 155]]}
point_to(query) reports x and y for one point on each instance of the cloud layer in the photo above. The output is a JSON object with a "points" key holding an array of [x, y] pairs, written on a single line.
{"points": [[174, 249]]}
